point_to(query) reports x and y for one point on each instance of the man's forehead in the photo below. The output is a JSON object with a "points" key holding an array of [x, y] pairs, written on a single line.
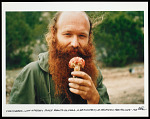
{"points": [[71, 28], [73, 13], [73, 17]]}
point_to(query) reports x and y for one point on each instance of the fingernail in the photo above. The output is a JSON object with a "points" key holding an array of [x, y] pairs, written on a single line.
{"points": [[69, 79]]}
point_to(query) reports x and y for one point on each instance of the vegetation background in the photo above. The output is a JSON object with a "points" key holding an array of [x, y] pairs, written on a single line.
{"points": [[118, 37]]}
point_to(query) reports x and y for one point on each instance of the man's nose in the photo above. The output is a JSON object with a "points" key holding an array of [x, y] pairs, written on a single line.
{"points": [[74, 42]]}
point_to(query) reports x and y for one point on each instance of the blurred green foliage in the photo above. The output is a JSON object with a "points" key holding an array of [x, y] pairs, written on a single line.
{"points": [[23, 29], [118, 36], [120, 39], [18, 35]]}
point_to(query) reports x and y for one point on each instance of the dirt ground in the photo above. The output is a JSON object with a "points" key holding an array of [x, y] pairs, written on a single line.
{"points": [[123, 87]]}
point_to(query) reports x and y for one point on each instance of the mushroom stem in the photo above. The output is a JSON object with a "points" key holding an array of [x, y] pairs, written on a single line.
{"points": [[77, 68]]}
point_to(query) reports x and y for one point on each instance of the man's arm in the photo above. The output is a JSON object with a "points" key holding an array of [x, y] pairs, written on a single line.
{"points": [[102, 90], [23, 91]]}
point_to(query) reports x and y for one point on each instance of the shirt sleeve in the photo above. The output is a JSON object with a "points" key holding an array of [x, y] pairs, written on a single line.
{"points": [[23, 88], [102, 90]]}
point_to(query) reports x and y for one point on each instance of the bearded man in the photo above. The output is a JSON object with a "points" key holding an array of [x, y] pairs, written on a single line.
{"points": [[50, 80]]}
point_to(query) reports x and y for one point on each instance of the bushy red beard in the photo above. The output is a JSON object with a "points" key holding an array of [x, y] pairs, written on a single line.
{"points": [[59, 57]]}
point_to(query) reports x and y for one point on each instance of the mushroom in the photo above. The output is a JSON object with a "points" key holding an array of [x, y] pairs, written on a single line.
{"points": [[76, 63]]}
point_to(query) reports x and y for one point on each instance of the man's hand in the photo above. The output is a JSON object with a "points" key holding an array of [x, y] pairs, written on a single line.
{"points": [[84, 87]]}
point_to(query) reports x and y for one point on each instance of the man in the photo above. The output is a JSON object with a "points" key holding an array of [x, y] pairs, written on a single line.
{"points": [[50, 80]]}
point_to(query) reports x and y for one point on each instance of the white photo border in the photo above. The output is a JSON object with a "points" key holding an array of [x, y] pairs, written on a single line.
{"points": [[65, 110]]}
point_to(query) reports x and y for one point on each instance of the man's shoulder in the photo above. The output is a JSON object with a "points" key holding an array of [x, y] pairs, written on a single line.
{"points": [[31, 71], [36, 67], [31, 67]]}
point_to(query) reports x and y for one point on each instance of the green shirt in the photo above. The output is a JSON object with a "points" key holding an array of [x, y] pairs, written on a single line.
{"points": [[34, 85]]}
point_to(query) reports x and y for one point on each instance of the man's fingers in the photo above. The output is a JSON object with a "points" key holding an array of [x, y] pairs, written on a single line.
{"points": [[79, 87], [80, 81], [78, 92], [81, 74]]}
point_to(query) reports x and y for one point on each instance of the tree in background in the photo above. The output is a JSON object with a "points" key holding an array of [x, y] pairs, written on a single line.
{"points": [[23, 29], [120, 39], [18, 35]]}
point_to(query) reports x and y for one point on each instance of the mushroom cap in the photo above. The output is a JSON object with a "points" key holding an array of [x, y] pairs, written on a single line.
{"points": [[76, 61]]}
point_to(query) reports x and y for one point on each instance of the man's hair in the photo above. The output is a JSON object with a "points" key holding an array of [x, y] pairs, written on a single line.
{"points": [[53, 27]]}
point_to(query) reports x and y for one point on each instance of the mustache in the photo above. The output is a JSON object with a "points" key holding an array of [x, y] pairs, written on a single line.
{"points": [[84, 52]]}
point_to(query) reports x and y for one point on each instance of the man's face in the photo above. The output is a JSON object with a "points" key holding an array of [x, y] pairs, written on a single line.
{"points": [[73, 29]]}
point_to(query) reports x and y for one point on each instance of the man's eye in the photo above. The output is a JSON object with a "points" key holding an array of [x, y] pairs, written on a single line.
{"points": [[67, 34], [82, 36]]}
